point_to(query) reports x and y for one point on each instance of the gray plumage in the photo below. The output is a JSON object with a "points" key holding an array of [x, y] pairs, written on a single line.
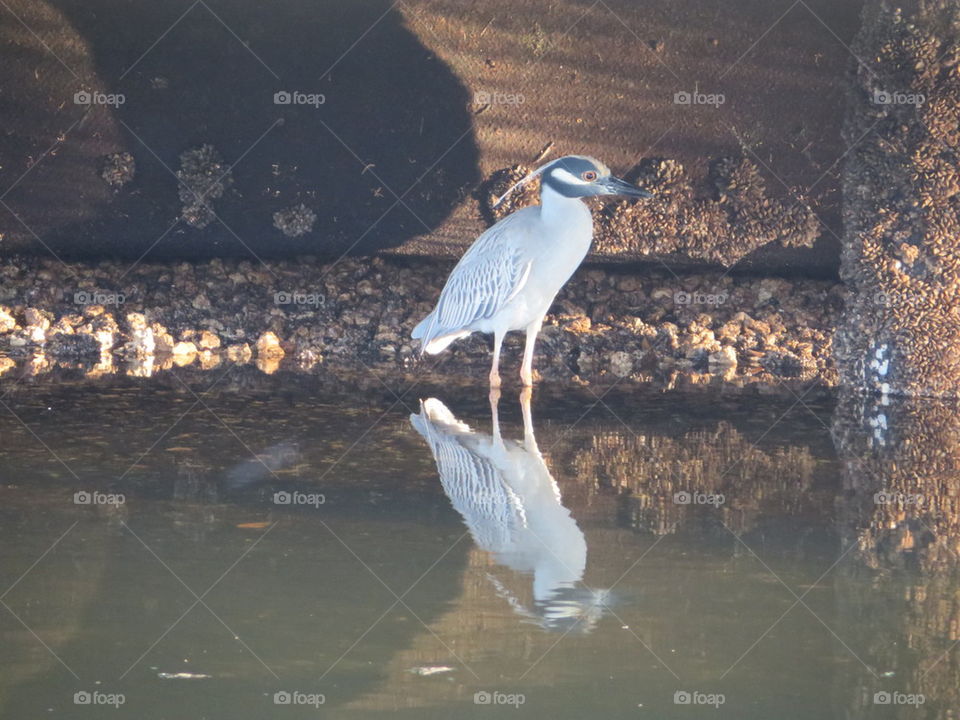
{"points": [[511, 274]]}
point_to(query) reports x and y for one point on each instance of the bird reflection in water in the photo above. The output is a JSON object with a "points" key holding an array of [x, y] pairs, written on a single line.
{"points": [[512, 507]]}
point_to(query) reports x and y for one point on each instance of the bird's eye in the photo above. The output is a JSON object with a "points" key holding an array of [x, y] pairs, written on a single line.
{"points": [[589, 175]]}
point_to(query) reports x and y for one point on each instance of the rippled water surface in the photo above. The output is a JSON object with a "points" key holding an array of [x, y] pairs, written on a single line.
{"points": [[282, 548]]}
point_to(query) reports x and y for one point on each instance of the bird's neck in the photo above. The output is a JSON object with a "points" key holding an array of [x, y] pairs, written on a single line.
{"points": [[557, 207]]}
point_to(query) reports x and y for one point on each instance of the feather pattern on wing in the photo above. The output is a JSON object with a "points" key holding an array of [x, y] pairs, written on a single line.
{"points": [[488, 276], [471, 477]]}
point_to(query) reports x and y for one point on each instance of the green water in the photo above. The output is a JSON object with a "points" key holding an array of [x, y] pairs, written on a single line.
{"points": [[373, 594]]}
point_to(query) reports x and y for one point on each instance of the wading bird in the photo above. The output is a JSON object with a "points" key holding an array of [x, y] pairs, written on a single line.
{"points": [[512, 507], [509, 277]]}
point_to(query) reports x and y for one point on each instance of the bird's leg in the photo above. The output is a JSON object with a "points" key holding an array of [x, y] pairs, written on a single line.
{"points": [[526, 370], [495, 414], [494, 372], [529, 440]]}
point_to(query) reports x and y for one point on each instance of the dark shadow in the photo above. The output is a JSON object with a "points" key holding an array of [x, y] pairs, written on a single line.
{"points": [[211, 78]]}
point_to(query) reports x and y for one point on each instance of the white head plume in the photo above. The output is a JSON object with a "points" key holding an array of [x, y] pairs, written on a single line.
{"points": [[523, 181]]}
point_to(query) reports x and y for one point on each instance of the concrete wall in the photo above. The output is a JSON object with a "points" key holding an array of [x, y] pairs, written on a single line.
{"points": [[901, 260], [434, 99], [193, 75]]}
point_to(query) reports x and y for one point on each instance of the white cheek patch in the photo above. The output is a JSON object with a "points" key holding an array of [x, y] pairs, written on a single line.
{"points": [[568, 177]]}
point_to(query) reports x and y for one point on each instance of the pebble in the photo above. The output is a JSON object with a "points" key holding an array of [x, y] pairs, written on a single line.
{"points": [[209, 340], [184, 349], [268, 346]]}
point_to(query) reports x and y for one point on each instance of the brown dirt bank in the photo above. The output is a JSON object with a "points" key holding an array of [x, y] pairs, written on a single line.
{"points": [[422, 101], [603, 79], [357, 315], [725, 223]]}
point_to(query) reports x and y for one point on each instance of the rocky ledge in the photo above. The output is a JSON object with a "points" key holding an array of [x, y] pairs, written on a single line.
{"points": [[607, 325]]}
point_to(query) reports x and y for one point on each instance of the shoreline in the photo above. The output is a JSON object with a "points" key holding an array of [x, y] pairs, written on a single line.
{"points": [[607, 325]]}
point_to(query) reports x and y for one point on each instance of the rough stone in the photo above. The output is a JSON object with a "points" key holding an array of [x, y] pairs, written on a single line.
{"points": [[604, 325], [268, 346], [900, 332], [209, 340]]}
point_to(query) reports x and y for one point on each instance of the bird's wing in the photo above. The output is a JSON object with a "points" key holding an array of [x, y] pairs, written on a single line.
{"points": [[471, 477], [488, 276]]}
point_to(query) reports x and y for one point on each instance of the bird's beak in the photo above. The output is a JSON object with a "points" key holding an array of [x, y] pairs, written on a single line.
{"points": [[615, 186]]}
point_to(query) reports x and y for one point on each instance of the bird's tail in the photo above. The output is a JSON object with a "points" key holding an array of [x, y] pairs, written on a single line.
{"points": [[422, 328], [431, 343], [436, 420], [439, 414]]}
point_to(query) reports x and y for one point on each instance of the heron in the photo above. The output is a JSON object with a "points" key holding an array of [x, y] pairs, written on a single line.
{"points": [[509, 277], [513, 509]]}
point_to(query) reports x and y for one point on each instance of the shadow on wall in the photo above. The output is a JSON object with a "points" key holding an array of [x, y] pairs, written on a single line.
{"points": [[364, 111]]}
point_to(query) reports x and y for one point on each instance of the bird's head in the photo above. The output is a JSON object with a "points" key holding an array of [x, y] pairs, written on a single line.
{"points": [[577, 176]]}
